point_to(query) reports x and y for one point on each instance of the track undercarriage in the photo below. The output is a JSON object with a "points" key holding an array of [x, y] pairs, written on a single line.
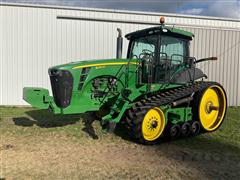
{"points": [[182, 98]]}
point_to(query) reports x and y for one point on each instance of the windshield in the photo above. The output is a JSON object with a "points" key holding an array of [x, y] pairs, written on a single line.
{"points": [[161, 56], [142, 45], [171, 48]]}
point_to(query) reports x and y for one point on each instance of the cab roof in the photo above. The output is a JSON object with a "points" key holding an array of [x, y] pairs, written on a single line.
{"points": [[171, 31]]}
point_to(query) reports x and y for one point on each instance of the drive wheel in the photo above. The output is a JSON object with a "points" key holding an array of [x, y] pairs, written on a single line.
{"points": [[211, 105], [147, 125]]}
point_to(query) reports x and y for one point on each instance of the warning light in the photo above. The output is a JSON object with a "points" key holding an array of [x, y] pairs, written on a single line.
{"points": [[162, 20]]}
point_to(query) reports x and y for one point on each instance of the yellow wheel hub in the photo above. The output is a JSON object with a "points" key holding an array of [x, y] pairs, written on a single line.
{"points": [[153, 124], [212, 108]]}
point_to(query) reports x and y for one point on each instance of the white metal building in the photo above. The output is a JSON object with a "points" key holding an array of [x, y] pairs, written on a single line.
{"points": [[33, 38]]}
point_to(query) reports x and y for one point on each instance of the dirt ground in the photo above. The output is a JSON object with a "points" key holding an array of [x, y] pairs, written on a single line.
{"points": [[40, 146]]}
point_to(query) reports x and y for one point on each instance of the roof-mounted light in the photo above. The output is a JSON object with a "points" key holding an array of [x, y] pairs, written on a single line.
{"points": [[162, 20]]}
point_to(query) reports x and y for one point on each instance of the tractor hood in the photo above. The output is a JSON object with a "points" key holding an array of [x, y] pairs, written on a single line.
{"points": [[91, 63], [73, 83], [70, 80]]}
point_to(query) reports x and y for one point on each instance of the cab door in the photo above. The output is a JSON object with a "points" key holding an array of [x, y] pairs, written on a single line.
{"points": [[173, 52], [145, 50]]}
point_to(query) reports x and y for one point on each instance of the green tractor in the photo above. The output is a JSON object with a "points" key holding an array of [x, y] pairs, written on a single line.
{"points": [[156, 91]]}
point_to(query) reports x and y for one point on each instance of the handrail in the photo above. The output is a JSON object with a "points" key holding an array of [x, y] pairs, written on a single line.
{"points": [[118, 75], [105, 90]]}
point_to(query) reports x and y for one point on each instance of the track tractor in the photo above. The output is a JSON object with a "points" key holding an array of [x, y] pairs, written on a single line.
{"points": [[157, 91]]}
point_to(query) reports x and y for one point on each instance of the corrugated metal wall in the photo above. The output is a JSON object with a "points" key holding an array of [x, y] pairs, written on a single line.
{"points": [[33, 39]]}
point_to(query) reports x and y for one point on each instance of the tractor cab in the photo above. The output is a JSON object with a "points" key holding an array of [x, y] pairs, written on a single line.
{"points": [[163, 53]]}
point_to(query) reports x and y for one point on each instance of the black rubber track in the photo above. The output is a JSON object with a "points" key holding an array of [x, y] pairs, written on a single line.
{"points": [[136, 113]]}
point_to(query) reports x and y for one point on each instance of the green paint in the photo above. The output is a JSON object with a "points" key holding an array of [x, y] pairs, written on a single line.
{"points": [[178, 115], [91, 90], [173, 30], [39, 98]]}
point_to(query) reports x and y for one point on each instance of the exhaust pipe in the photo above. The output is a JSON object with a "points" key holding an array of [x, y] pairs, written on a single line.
{"points": [[119, 44]]}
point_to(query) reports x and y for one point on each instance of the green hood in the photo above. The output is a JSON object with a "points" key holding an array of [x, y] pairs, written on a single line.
{"points": [[91, 63]]}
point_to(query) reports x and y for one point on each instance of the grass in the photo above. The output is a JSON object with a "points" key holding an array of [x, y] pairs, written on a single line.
{"points": [[42, 121], [26, 130], [29, 121]]}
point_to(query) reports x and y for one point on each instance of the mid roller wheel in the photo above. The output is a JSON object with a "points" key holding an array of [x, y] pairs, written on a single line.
{"points": [[175, 131], [195, 128], [185, 129]]}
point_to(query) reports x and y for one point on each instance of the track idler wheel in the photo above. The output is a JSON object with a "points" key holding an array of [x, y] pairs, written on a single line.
{"points": [[210, 106], [195, 128], [186, 129], [175, 131]]}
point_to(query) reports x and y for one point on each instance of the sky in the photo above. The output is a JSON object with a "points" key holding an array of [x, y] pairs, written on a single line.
{"points": [[216, 8]]}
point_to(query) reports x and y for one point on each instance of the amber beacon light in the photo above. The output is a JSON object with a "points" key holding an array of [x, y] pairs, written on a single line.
{"points": [[162, 20]]}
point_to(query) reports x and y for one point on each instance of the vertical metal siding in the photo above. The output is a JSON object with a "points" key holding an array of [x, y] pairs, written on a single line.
{"points": [[1, 55], [33, 39], [238, 70], [224, 45]]}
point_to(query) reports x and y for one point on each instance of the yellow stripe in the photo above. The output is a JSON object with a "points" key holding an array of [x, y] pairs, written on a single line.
{"points": [[103, 64]]}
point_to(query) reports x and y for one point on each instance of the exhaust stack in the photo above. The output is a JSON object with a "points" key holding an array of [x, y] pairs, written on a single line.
{"points": [[119, 44]]}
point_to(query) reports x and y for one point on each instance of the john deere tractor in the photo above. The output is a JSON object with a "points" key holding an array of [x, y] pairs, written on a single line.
{"points": [[156, 91]]}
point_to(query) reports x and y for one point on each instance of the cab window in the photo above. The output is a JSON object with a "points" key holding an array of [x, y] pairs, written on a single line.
{"points": [[144, 44], [173, 49]]}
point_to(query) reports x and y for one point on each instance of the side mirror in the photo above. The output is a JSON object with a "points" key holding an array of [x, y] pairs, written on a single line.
{"points": [[190, 62]]}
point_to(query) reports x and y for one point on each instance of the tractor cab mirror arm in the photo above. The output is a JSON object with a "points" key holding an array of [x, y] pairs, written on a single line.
{"points": [[206, 59]]}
